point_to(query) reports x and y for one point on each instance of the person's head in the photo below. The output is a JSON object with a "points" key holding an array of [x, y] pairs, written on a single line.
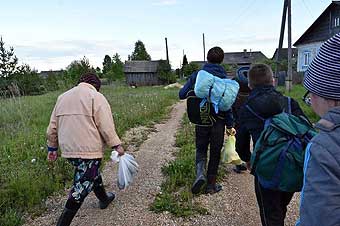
{"points": [[91, 78], [242, 75], [215, 55], [260, 75], [322, 78]]}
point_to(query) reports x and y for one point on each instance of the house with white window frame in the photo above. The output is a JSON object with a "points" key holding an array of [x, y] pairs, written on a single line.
{"points": [[324, 27]]}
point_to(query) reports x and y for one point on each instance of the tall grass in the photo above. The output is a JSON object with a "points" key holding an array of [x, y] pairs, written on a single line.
{"points": [[297, 93], [26, 178]]}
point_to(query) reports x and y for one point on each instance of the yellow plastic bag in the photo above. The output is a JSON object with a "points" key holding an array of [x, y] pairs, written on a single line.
{"points": [[229, 154]]}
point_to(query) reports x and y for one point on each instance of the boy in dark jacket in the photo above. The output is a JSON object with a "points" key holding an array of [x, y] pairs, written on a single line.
{"points": [[266, 102], [242, 79], [214, 135], [320, 197]]}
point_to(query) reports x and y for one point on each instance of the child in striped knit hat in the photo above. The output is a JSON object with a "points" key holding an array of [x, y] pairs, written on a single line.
{"points": [[320, 197]]}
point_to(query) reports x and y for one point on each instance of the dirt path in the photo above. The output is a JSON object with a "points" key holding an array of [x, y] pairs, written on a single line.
{"points": [[234, 206], [131, 206]]}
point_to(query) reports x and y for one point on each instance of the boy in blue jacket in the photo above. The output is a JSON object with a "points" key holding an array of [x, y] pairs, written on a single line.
{"points": [[214, 135], [320, 197]]}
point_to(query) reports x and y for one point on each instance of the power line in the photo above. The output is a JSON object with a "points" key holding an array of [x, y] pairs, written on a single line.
{"points": [[244, 11], [308, 9]]}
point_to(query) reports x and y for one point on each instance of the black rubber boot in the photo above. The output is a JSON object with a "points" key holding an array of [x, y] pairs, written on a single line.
{"points": [[240, 168], [69, 212], [200, 178], [104, 198], [212, 187]]}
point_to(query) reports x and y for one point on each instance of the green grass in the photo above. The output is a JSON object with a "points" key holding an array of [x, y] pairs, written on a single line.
{"points": [[26, 178], [297, 93], [176, 196]]}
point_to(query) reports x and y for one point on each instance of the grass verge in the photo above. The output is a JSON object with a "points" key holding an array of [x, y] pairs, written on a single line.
{"points": [[26, 178], [297, 93], [175, 196]]}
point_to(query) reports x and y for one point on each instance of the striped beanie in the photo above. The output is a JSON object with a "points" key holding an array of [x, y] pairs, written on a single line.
{"points": [[91, 78], [322, 77]]}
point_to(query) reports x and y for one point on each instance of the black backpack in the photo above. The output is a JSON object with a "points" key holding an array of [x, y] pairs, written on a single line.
{"points": [[198, 113]]}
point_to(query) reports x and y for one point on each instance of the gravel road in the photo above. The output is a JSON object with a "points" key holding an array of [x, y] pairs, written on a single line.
{"points": [[234, 206]]}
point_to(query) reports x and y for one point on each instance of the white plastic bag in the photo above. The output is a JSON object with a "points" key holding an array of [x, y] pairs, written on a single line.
{"points": [[127, 169]]}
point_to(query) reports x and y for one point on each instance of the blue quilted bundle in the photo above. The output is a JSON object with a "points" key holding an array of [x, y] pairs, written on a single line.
{"points": [[220, 92]]}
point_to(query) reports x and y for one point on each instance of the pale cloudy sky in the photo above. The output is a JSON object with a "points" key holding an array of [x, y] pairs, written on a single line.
{"points": [[49, 34]]}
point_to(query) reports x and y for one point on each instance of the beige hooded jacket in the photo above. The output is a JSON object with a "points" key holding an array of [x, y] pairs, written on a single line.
{"points": [[81, 124]]}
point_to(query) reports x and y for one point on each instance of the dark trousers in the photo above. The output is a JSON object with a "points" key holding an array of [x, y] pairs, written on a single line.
{"points": [[272, 205], [86, 178], [213, 136], [241, 147]]}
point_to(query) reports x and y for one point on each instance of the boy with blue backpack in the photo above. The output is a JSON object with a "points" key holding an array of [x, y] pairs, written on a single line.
{"points": [[320, 197], [258, 120], [209, 135]]}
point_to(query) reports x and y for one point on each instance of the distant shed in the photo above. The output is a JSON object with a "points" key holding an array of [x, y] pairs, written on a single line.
{"points": [[142, 73]]}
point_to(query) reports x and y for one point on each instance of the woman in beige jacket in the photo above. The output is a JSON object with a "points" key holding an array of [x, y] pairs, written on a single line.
{"points": [[81, 125]]}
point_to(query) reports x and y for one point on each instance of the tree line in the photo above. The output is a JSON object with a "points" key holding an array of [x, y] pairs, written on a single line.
{"points": [[18, 79]]}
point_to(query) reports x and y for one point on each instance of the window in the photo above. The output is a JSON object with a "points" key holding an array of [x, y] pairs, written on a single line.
{"points": [[336, 21], [306, 58]]}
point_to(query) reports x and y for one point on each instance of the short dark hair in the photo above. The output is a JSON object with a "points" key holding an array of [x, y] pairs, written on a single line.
{"points": [[260, 74], [91, 78], [215, 55]]}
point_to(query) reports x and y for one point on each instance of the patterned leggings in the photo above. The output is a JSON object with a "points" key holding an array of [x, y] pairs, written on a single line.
{"points": [[86, 176]]}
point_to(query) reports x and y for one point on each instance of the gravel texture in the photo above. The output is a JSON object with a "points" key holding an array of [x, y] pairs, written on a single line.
{"points": [[234, 206]]}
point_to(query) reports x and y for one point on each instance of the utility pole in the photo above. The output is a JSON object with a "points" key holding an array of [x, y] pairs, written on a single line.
{"points": [[167, 53], [182, 73], [283, 24], [203, 48], [290, 69]]}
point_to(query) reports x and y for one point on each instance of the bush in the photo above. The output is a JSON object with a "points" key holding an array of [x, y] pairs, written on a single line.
{"points": [[164, 72], [190, 68], [29, 83], [76, 69]]}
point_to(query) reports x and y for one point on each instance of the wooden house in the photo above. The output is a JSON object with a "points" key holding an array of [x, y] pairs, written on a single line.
{"points": [[142, 73], [244, 58], [324, 27], [45, 74], [284, 54], [238, 59]]}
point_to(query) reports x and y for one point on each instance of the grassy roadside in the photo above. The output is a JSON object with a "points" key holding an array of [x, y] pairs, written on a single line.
{"points": [[176, 196], [26, 178], [297, 93]]}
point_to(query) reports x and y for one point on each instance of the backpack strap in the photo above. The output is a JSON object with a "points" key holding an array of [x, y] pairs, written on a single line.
{"points": [[254, 113], [289, 106], [220, 99]]}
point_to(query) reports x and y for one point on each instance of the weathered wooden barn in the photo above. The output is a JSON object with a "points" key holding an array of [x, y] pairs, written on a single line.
{"points": [[45, 74], [244, 58], [142, 73], [324, 27]]}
